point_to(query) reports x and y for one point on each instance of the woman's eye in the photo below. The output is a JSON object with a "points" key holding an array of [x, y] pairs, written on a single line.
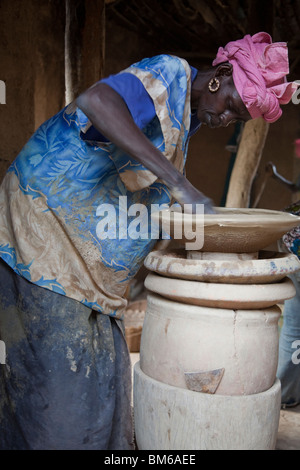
{"points": [[230, 108]]}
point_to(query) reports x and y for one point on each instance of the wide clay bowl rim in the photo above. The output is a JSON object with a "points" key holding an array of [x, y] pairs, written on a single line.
{"points": [[228, 296], [229, 230], [235, 217], [269, 267]]}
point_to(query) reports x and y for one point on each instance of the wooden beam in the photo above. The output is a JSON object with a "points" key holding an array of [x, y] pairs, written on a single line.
{"points": [[246, 163], [84, 45], [32, 67], [93, 43], [260, 16]]}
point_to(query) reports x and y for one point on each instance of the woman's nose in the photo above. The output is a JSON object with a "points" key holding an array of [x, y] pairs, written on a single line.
{"points": [[227, 118]]}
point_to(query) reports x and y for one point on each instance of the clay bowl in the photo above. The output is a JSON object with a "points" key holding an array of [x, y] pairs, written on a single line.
{"points": [[230, 296], [229, 230], [268, 267]]}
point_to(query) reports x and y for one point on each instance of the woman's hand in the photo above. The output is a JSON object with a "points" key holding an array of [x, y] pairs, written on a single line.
{"points": [[186, 193]]}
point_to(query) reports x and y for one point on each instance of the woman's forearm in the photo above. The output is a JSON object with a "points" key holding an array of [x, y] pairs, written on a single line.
{"points": [[109, 114]]}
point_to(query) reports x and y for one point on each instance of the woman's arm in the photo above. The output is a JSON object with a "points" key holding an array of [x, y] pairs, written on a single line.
{"points": [[109, 115]]}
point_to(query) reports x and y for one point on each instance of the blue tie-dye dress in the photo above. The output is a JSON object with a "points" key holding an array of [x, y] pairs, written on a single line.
{"points": [[52, 196]]}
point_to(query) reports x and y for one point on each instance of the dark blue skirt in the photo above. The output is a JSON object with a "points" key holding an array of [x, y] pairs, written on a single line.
{"points": [[66, 381]]}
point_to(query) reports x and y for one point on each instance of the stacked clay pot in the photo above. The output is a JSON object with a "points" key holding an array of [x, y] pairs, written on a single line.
{"points": [[210, 341]]}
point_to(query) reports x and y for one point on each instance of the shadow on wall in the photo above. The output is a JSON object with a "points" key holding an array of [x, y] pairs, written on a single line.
{"points": [[209, 161]]}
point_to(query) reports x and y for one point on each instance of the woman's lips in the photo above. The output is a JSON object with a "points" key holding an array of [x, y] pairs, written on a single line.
{"points": [[211, 123]]}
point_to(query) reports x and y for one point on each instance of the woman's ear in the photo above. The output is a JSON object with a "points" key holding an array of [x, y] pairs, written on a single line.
{"points": [[223, 69]]}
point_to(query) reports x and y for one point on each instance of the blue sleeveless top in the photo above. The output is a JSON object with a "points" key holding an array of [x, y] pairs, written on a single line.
{"points": [[53, 222]]}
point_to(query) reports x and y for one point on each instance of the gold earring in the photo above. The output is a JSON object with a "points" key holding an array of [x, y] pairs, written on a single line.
{"points": [[214, 85]]}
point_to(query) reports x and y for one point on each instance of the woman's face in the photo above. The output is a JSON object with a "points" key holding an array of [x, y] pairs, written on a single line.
{"points": [[223, 107]]}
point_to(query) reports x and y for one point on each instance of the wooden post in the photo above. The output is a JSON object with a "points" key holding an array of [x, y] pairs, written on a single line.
{"points": [[32, 68], [46, 52], [84, 45], [247, 162]]}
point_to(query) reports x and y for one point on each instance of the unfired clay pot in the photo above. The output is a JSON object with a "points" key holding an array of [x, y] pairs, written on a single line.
{"points": [[209, 294], [229, 230], [172, 418], [208, 358], [259, 268], [239, 347]]}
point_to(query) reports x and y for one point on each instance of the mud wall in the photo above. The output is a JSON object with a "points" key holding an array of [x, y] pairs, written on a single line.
{"points": [[208, 160], [32, 65]]}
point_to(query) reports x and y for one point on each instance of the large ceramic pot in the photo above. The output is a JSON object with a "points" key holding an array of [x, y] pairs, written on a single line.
{"points": [[169, 418], [214, 350]]}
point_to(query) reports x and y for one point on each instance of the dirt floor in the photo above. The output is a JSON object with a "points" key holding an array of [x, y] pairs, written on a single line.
{"points": [[289, 424], [289, 429]]}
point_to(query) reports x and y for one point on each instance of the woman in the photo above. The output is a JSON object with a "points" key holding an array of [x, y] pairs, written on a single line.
{"points": [[66, 381], [288, 370]]}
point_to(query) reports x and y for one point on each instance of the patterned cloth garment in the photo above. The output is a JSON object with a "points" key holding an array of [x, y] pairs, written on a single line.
{"points": [[291, 240], [51, 196]]}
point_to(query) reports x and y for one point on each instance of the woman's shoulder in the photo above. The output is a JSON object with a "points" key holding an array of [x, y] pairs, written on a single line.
{"points": [[162, 61], [165, 67]]}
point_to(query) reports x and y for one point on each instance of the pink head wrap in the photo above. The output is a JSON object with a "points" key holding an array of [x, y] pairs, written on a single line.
{"points": [[259, 74]]}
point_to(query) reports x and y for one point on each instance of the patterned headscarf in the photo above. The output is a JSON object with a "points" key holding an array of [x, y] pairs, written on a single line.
{"points": [[259, 74]]}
